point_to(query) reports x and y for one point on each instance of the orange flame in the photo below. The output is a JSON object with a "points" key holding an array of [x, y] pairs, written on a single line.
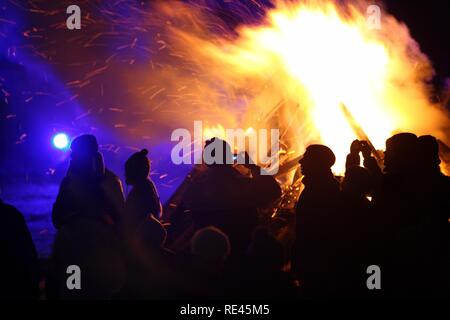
{"points": [[292, 72]]}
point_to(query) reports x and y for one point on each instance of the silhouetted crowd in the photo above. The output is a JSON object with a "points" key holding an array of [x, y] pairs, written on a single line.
{"points": [[219, 238]]}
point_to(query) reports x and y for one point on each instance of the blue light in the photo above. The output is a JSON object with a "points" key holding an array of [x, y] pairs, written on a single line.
{"points": [[61, 141]]}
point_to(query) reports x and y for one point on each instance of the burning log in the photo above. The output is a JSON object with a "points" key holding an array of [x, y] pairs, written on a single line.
{"points": [[360, 133]]}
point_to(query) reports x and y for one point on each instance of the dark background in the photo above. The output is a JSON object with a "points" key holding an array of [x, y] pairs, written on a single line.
{"points": [[428, 23]]}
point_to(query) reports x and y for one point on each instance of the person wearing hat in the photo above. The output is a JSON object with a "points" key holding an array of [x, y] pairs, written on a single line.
{"points": [[317, 214], [413, 210], [225, 197], [401, 154]]}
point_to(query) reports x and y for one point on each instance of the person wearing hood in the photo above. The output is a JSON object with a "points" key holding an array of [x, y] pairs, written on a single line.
{"points": [[89, 189], [142, 202]]}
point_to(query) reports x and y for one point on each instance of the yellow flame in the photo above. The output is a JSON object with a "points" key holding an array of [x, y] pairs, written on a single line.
{"points": [[292, 72], [217, 131]]}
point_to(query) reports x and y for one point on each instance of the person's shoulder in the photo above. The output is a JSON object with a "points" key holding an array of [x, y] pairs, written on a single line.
{"points": [[143, 189], [66, 180], [149, 188], [110, 174], [146, 185], [149, 183], [233, 175], [11, 214]]}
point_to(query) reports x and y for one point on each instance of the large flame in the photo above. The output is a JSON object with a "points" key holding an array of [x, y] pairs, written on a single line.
{"points": [[293, 70]]}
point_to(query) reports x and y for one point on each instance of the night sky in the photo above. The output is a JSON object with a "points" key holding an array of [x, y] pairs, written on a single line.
{"points": [[428, 23]]}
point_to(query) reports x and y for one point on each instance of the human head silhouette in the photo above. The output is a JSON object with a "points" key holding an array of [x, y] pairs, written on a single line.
{"points": [[401, 153], [317, 159], [84, 145], [428, 153], [137, 167], [84, 153], [217, 152], [211, 244]]}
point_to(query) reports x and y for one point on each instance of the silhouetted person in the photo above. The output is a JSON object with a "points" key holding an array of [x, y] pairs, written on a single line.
{"points": [[262, 276], [210, 248], [411, 201], [151, 233], [435, 193], [87, 212], [19, 262], [143, 200], [406, 204], [428, 155], [400, 157], [224, 197], [152, 270], [353, 158], [316, 223], [111, 190], [432, 255], [395, 189], [89, 189], [95, 248], [358, 227]]}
